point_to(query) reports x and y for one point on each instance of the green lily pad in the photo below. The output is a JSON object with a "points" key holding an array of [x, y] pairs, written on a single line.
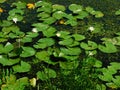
{"points": [[75, 8], [23, 67], [5, 23], [82, 15], [59, 14], [108, 48], [66, 42], [19, 5], [46, 74], [117, 12], [40, 26], [57, 7], [90, 10], [43, 15], [115, 65], [27, 52], [2, 1], [44, 42], [98, 14], [8, 62], [90, 46], [63, 34], [16, 11], [49, 32], [69, 65], [71, 51], [49, 20], [78, 37]]}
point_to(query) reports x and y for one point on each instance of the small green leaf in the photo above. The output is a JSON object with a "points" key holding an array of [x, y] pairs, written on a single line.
{"points": [[108, 48], [66, 42], [112, 85], [59, 15], [98, 14], [90, 46], [69, 65], [78, 37], [8, 62], [82, 15], [2, 1], [43, 15], [44, 42], [71, 51], [19, 5], [23, 67], [49, 20], [8, 47], [75, 8], [63, 34], [16, 11], [115, 65], [27, 52], [26, 39], [49, 32], [43, 55], [98, 64], [5, 23], [40, 26], [117, 12], [46, 74], [57, 7]]}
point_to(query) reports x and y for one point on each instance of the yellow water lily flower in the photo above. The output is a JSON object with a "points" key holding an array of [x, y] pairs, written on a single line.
{"points": [[1, 10], [30, 6]]}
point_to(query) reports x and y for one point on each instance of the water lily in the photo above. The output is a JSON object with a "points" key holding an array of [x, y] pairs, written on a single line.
{"points": [[30, 6], [34, 30], [91, 28], [1, 10], [15, 20], [58, 34]]}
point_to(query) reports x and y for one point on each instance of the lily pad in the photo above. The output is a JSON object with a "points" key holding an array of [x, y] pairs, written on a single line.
{"points": [[23, 67], [44, 42], [27, 52], [57, 7], [75, 8], [71, 51], [46, 74], [108, 48], [90, 46], [49, 32], [8, 62], [78, 37]]}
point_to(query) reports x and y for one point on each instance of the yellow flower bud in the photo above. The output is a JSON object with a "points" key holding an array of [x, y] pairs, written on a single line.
{"points": [[1, 10], [30, 6]]}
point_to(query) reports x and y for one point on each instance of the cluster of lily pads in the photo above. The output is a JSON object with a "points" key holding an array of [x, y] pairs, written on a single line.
{"points": [[45, 44]]}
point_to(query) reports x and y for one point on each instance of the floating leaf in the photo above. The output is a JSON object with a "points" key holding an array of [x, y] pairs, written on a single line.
{"points": [[8, 47], [108, 48], [112, 85], [75, 8], [90, 46], [8, 62], [40, 26], [69, 65], [43, 55], [46, 74], [98, 64], [115, 65], [82, 15], [44, 42], [59, 15], [90, 10], [43, 15], [2, 1], [57, 7], [23, 67], [78, 37], [19, 5], [16, 11], [117, 12], [49, 20], [5, 23], [98, 14], [71, 51], [27, 52], [66, 42], [63, 34], [49, 32]]}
